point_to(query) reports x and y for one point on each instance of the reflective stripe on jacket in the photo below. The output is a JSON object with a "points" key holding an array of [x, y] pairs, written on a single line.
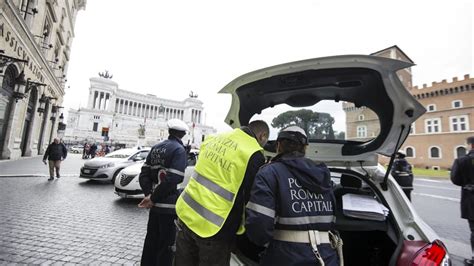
{"points": [[210, 194]]}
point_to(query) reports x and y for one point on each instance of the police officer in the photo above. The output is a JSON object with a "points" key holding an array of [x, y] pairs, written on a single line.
{"points": [[462, 174], [162, 171], [291, 207], [401, 171], [210, 210]]}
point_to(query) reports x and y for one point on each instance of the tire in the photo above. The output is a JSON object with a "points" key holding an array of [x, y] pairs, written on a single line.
{"points": [[115, 175]]}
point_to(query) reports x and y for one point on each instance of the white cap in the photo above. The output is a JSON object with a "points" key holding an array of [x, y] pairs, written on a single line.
{"points": [[177, 124], [294, 133]]}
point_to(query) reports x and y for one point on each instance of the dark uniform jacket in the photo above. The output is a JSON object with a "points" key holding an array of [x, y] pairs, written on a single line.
{"points": [[402, 173], [291, 193], [462, 174], [164, 167], [55, 152]]}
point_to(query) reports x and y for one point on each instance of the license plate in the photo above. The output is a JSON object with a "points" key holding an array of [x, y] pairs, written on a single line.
{"points": [[86, 171]]}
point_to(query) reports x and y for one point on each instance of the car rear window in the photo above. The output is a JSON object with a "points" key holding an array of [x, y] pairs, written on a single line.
{"points": [[326, 121]]}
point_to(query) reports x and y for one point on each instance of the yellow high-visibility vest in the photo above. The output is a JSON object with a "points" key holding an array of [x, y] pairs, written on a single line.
{"points": [[209, 196]]}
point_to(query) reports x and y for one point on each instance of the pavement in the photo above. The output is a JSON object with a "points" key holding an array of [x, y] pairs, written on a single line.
{"points": [[74, 221]]}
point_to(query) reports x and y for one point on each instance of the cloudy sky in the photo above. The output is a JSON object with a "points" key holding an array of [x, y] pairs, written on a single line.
{"points": [[169, 48]]}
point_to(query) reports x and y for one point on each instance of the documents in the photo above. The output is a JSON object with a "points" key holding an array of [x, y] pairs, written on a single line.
{"points": [[363, 207]]}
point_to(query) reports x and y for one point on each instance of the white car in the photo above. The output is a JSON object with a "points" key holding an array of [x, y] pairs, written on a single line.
{"points": [[127, 184], [108, 167], [76, 149], [363, 83]]}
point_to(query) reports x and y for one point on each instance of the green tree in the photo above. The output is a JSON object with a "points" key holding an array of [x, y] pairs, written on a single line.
{"points": [[316, 125]]}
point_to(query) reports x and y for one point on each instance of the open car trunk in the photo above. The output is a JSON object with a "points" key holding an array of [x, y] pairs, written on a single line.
{"points": [[365, 242]]}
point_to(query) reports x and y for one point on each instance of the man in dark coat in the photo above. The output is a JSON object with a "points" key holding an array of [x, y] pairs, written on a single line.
{"points": [[291, 207], [162, 171], [462, 174], [401, 171], [55, 153]]}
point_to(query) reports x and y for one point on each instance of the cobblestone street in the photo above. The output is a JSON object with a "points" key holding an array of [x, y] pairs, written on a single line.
{"points": [[68, 220]]}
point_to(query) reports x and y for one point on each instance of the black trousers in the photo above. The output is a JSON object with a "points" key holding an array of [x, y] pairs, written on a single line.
{"points": [[193, 250], [471, 226], [159, 240]]}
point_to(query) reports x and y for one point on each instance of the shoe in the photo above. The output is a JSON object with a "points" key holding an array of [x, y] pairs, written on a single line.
{"points": [[468, 262], [51, 178], [58, 177]]}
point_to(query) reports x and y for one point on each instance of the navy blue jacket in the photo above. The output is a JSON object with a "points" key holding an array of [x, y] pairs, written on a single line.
{"points": [[169, 159], [291, 193], [462, 174], [401, 171]]}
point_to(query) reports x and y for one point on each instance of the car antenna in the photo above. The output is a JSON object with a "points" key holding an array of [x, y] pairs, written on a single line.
{"points": [[392, 158]]}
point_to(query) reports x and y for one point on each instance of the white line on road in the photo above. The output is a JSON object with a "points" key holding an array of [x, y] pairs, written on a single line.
{"points": [[429, 180], [437, 197], [445, 188]]}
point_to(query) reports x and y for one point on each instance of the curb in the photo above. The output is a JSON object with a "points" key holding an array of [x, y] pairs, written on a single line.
{"points": [[35, 175]]}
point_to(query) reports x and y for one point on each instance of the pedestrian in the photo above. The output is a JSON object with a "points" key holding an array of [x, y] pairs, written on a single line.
{"points": [[295, 229], [55, 153], [162, 171], [92, 150], [210, 209], [401, 171], [462, 174], [106, 150], [85, 151]]}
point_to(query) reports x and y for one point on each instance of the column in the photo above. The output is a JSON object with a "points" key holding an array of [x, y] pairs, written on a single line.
{"points": [[90, 102], [94, 105]]}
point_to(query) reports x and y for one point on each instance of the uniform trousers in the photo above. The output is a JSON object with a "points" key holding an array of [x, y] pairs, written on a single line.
{"points": [[159, 240]]}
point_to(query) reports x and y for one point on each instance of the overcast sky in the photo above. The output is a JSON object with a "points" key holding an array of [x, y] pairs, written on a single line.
{"points": [[169, 48]]}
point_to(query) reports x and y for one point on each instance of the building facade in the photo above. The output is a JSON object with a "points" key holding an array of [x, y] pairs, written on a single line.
{"points": [[35, 44], [437, 137], [117, 116]]}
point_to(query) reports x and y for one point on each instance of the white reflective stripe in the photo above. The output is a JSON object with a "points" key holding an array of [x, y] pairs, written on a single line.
{"points": [[174, 171], [164, 205], [224, 193], [307, 219], [201, 210], [261, 209], [145, 165], [155, 166]]}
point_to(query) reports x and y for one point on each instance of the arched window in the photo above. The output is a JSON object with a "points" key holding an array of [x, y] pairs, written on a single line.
{"points": [[460, 151], [435, 153], [410, 152]]}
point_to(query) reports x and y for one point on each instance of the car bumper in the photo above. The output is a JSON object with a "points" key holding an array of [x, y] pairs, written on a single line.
{"points": [[97, 173], [134, 194]]}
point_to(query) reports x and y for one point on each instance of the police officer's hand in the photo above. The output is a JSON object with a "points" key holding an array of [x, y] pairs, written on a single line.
{"points": [[146, 203], [44, 161]]}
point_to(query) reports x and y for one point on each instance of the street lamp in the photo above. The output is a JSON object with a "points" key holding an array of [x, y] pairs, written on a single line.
{"points": [[42, 103], [24, 86]]}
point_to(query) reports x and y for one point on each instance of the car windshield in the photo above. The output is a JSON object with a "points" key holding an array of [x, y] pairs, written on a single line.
{"points": [[119, 154], [326, 121]]}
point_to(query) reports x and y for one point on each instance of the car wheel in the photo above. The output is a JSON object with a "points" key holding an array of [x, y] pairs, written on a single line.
{"points": [[115, 175]]}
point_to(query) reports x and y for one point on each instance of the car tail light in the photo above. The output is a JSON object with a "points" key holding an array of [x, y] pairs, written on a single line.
{"points": [[419, 253]]}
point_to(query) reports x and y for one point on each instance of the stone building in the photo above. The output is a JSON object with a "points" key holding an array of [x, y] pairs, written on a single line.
{"points": [[35, 46], [117, 116], [437, 137]]}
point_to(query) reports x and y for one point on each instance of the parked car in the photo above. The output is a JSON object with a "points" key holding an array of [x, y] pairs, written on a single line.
{"points": [[360, 82], [108, 167], [76, 149], [128, 186]]}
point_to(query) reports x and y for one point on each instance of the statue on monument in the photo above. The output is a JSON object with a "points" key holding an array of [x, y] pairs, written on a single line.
{"points": [[105, 75]]}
